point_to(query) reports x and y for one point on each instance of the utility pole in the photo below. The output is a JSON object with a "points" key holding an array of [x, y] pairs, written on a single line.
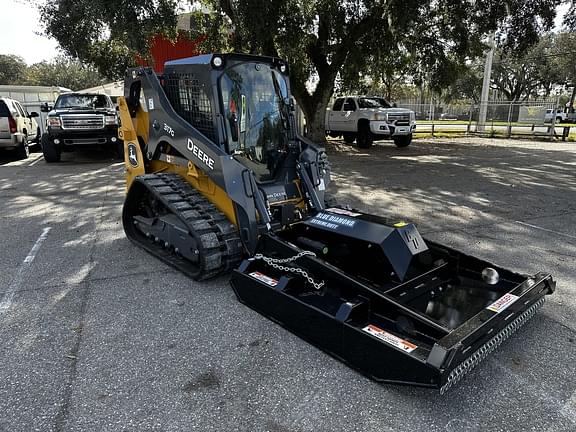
{"points": [[486, 84]]}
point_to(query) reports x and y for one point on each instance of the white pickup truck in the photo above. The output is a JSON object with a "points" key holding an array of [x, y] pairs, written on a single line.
{"points": [[366, 119]]}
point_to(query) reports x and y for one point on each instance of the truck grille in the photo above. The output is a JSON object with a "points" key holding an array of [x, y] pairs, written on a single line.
{"points": [[82, 121], [399, 119]]}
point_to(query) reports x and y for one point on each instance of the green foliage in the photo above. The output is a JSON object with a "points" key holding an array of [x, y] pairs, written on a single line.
{"points": [[64, 72], [564, 60], [563, 57], [324, 38], [321, 39], [466, 85], [12, 69], [535, 71], [384, 75], [106, 33]]}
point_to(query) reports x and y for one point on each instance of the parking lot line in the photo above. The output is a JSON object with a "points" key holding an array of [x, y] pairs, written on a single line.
{"points": [[546, 229], [38, 159], [17, 281]]}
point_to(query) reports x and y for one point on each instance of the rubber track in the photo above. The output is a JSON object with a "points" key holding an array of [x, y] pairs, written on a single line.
{"points": [[219, 245]]}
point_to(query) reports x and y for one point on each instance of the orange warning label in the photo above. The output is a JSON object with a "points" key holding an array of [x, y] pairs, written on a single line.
{"points": [[389, 338]]}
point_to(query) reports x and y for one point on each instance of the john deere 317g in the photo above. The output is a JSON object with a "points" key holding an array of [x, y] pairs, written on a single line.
{"points": [[219, 179]]}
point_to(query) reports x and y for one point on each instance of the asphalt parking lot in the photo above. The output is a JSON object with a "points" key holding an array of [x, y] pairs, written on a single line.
{"points": [[97, 335]]}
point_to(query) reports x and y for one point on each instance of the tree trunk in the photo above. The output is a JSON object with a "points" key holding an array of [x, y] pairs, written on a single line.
{"points": [[571, 106], [314, 106], [315, 113], [316, 125]]}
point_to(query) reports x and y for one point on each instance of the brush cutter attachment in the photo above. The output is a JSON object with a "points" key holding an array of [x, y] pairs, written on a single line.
{"points": [[385, 301]]}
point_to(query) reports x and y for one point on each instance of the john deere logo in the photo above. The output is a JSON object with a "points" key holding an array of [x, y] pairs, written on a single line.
{"points": [[132, 155]]}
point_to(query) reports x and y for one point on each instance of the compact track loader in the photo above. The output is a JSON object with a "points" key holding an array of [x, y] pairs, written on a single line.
{"points": [[218, 179]]}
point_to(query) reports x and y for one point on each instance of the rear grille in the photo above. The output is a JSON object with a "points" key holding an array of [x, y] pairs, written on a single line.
{"points": [[82, 121], [399, 119]]}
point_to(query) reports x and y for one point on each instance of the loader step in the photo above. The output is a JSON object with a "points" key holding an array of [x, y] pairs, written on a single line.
{"points": [[167, 217]]}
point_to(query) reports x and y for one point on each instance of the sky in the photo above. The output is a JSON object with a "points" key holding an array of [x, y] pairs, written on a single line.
{"points": [[21, 19], [19, 23]]}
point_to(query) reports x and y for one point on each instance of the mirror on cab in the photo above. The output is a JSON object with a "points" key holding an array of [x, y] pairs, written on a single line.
{"points": [[45, 108], [33, 114]]}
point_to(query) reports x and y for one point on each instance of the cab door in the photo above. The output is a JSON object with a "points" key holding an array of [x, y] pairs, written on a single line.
{"points": [[335, 115], [348, 117], [342, 118]]}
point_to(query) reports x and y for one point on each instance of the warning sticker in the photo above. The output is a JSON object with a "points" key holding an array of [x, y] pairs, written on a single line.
{"points": [[390, 338], [502, 303], [342, 211], [263, 278]]}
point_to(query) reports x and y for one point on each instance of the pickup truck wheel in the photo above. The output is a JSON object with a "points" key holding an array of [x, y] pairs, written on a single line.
{"points": [[49, 150], [365, 138], [349, 138], [403, 141], [23, 151]]}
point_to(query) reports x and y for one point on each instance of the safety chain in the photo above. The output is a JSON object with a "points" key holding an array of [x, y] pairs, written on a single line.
{"points": [[277, 264], [467, 365]]}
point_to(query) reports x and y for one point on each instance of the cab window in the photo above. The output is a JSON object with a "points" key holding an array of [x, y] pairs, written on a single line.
{"points": [[20, 109], [4, 111], [349, 105], [338, 104]]}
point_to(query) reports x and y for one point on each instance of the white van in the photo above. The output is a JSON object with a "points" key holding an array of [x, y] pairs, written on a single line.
{"points": [[17, 127]]}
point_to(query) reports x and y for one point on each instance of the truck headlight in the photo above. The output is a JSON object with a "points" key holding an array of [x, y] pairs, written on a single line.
{"points": [[53, 122], [380, 116], [111, 120]]}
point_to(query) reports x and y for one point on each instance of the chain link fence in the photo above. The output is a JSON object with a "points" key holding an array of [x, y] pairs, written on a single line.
{"points": [[503, 118]]}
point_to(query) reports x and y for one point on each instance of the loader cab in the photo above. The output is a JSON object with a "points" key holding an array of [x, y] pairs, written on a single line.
{"points": [[239, 102], [253, 98]]}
